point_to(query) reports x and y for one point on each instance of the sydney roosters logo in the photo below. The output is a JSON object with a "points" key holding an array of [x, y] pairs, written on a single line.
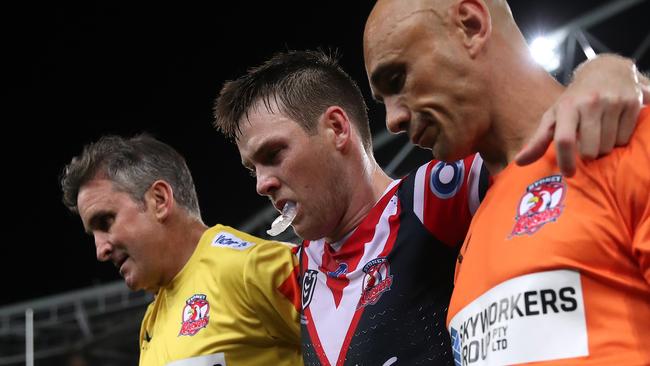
{"points": [[376, 281], [196, 314], [542, 203]]}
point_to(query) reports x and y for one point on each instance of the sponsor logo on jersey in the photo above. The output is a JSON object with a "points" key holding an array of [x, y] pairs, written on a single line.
{"points": [[542, 203], [196, 314], [447, 178], [376, 281], [228, 240], [309, 280], [340, 272], [508, 323], [217, 359]]}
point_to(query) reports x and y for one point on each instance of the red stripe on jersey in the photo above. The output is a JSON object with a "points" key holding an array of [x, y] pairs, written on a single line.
{"points": [[311, 329], [291, 289], [295, 250], [394, 224], [315, 341], [348, 336], [448, 219]]}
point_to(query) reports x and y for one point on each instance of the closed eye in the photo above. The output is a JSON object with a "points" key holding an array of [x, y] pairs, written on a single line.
{"points": [[272, 156], [269, 153], [101, 221], [388, 80]]}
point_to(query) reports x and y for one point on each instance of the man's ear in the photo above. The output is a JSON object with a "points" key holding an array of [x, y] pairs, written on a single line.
{"points": [[336, 124], [160, 197], [472, 17]]}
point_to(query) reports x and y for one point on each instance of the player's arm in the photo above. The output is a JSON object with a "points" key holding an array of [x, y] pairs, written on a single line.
{"points": [[596, 112], [446, 196], [271, 277]]}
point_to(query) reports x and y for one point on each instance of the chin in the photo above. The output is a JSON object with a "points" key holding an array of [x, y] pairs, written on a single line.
{"points": [[306, 233], [445, 154], [132, 284]]}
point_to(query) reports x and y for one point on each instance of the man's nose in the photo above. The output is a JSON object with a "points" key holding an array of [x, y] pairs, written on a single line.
{"points": [[398, 115], [103, 247], [267, 183]]}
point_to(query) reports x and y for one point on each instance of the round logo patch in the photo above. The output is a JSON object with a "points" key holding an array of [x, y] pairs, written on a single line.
{"points": [[447, 178]]}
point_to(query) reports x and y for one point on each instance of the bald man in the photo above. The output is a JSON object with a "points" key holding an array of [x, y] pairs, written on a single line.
{"points": [[553, 269]]}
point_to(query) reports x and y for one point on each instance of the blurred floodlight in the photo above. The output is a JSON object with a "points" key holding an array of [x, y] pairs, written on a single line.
{"points": [[589, 51], [545, 53]]}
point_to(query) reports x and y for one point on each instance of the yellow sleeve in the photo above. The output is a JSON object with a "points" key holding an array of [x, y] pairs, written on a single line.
{"points": [[270, 276], [633, 191]]}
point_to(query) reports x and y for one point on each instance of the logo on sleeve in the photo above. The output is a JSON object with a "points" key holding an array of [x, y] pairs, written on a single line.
{"points": [[196, 314], [376, 281], [228, 240], [542, 203], [447, 178]]}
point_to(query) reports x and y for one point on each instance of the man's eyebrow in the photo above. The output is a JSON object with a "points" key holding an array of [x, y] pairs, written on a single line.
{"points": [[265, 146]]}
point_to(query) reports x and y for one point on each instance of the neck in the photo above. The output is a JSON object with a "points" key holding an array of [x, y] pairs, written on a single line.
{"points": [[520, 97], [366, 189], [181, 241]]}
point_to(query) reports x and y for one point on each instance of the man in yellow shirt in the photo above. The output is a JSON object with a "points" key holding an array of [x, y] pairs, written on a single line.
{"points": [[223, 297]]}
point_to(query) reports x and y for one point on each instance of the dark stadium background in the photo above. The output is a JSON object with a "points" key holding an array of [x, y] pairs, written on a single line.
{"points": [[80, 71]]}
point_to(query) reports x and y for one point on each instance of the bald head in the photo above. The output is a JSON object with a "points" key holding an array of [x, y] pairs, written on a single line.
{"points": [[450, 72], [396, 18], [389, 18]]}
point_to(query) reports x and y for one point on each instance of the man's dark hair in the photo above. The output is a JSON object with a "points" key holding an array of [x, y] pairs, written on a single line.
{"points": [[303, 84]]}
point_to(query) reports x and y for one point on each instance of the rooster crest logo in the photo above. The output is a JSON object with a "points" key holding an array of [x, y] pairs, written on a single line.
{"points": [[196, 315], [376, 281], [542, 203]]}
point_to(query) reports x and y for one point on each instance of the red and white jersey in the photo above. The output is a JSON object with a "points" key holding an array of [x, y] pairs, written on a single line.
{"points": [[380, 295]]}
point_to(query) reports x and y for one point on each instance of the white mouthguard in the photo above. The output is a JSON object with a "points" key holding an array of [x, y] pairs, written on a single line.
{"points": [[282, 222]]}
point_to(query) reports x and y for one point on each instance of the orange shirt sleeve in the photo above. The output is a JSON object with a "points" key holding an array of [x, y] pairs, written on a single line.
{"points": [[633, 191]]}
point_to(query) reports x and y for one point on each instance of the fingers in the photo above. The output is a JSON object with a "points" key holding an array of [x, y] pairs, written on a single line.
{"points": [[629, 115], [589, 125], [645, 91], [538, 143], [610, 125], [567, 118]]}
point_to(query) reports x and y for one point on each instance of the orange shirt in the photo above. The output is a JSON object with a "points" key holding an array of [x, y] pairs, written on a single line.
{"points": [[557, 270]]}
